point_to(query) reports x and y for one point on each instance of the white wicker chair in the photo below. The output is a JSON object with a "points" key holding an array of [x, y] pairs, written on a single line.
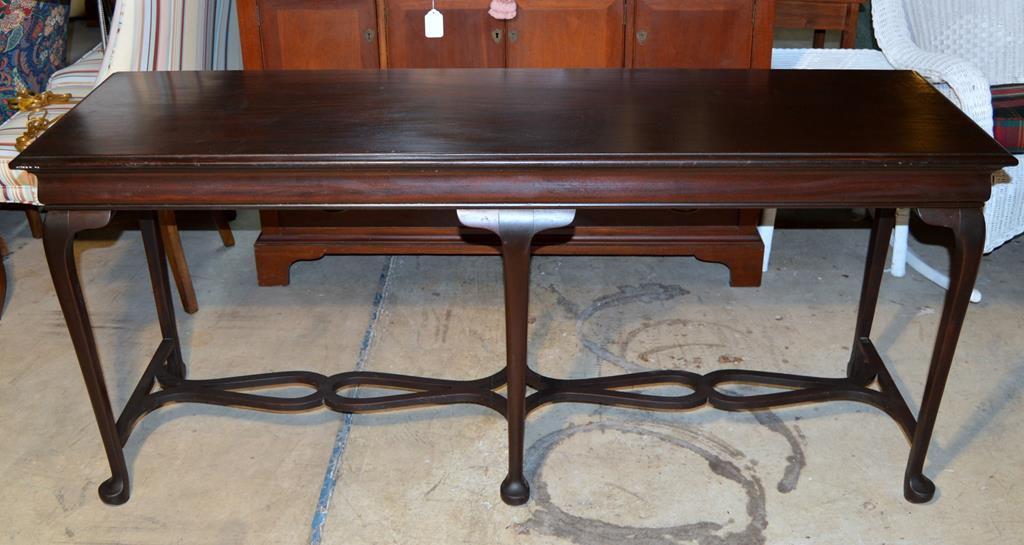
{"points": [[963, 47]]}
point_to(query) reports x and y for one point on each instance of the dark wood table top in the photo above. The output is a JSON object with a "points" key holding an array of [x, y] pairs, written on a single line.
{"points": [[447, 137]]}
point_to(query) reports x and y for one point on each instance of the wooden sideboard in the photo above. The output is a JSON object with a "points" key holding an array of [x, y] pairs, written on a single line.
{"points": [[370, 34]]}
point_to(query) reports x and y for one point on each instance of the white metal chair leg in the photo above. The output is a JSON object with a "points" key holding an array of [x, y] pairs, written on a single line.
{"points": [[900, 236], [935, 276], [767, 230], [903, 256]]}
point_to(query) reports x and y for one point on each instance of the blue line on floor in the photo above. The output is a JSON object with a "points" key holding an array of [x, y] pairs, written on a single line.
{"points": [[323, 506]]}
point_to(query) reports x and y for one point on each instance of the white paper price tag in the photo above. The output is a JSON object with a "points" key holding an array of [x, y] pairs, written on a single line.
{"points": [[433, 23]]}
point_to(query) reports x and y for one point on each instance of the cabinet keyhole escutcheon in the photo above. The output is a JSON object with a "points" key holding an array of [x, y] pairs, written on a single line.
{"points": [[641, 36], [369, 34], [496, 35]]}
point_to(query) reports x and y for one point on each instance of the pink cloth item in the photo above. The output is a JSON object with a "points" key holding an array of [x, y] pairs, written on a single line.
{"points": [[503, 9]]}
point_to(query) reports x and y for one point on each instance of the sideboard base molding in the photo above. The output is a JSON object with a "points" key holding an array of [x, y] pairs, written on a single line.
{"points": [[728, 237]]}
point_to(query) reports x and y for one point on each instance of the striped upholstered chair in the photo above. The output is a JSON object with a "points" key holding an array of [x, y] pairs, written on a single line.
{"points": [[144, 35], [34, 38]]}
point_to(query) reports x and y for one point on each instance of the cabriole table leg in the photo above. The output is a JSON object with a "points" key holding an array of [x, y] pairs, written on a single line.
{"points": [[859, 369], [516, 229], [58, 241], [156, 259], [968, 226]]}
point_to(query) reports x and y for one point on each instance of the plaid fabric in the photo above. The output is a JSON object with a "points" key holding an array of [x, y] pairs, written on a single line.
{"points": [[1008, 110], [144, 35]]}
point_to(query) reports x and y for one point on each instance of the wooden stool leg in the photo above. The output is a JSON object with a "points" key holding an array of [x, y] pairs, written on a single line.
{"points": [[849, 36], [35, 222], [176, 259], [819, 39], [222, 220]]}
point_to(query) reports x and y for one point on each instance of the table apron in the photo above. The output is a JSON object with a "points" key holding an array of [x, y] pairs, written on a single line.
{"points": [[618, 188]]}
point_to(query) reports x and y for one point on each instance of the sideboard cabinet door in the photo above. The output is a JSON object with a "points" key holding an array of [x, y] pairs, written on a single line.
{"points": [[309, 34], [693, 33], [472, 38], [567, 34]]}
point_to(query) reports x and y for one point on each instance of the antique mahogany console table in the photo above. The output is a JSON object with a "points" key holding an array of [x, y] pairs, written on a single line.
{"points": [[514, 152], [373, 34]]}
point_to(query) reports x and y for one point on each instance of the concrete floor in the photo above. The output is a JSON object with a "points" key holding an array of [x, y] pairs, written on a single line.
{"points": [[207, 475]]}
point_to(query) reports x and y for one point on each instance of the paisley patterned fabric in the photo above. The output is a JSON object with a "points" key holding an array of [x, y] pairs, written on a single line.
{"points": [[33, 38]]}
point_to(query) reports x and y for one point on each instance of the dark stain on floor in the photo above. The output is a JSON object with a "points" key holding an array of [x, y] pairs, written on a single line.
{"points": [[654, 292], [644, 293], [722, 460], [797, 460]]}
